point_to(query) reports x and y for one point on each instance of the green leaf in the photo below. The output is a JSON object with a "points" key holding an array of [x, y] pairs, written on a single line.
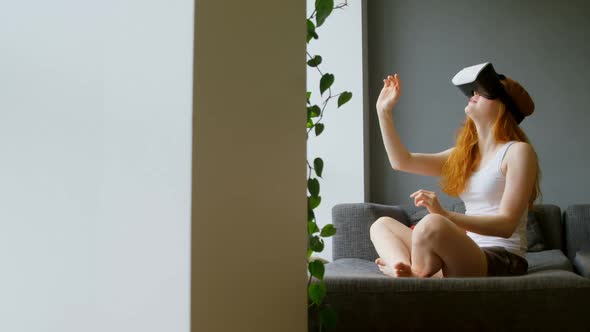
{"points": [[309, 252], [344, 98], [316, 268], [328, 230], [308, 95], [314, 201], [319, 127], [326, 82], [311, 31], [312, 227], [318, 165], [315, 61], [328, 317], [309, 123], [310, 215], [316, 243], [313, 111], [323, 9], [317, 292], [313, 185]]}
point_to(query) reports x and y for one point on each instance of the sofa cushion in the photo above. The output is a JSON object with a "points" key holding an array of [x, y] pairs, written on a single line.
{"points": [[353, 223], [362, 268], [582, 263], [548, 260], [354, 268], [550, 224], [363, 273], [577, 229], [417, 216], [534, 234]]}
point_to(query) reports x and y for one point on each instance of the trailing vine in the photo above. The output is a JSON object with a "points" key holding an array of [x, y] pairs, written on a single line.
{"points": [[317, 290]]}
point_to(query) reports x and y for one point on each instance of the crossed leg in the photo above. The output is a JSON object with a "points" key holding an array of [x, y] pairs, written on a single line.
{"points": [[436, 248], [393, 242]]}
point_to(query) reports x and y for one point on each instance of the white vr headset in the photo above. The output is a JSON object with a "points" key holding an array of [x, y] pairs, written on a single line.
{"points": [[485, 81]]}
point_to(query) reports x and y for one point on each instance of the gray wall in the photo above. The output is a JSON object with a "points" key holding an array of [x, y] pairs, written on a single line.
{"points": [[539, 43]]}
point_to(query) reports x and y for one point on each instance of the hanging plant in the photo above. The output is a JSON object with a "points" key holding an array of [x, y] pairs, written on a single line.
{"points": [[317, 290]]}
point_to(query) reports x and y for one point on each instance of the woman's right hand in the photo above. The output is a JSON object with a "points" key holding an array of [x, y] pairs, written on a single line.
{"points": [[389, 94]]}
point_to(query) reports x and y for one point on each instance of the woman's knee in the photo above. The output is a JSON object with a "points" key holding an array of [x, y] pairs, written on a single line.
{"points": [[381, 224], [377, 226], [430, 229]]}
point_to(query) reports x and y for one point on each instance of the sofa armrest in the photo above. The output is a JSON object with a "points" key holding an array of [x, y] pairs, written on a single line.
{"points": [[353, 222], [582, 263], [577, 229]]}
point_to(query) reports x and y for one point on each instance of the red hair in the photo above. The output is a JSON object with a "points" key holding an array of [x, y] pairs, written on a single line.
{"points": [[464, 159]]}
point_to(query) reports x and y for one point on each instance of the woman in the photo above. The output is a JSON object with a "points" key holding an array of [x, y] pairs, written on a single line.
{"points": [[495, 171]]}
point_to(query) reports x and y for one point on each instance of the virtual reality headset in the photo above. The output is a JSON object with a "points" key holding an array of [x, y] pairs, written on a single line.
{"points": [[485, 81], [481, 78]]}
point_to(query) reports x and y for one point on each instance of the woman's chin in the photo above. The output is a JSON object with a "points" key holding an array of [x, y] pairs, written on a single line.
{"points": [[469, 113]]}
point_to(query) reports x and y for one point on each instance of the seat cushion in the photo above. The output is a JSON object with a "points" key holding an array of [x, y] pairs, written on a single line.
{"points": [[362, 268], [354, 268], [366, 274], [582, 263], [548, 260]]}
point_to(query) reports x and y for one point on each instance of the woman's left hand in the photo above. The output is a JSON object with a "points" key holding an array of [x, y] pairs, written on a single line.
{"points": [[429, 200]]}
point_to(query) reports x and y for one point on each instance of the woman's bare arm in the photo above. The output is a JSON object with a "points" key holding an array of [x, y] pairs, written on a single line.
{"points": [[399, 157]]}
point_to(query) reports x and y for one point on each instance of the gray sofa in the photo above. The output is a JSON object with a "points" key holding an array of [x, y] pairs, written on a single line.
{"points": [[553, 296]]}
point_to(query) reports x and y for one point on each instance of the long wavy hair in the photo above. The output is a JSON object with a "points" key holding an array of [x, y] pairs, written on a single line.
{"points": [[466, 155]]}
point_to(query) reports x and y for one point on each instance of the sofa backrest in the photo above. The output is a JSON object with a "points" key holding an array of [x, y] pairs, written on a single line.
{"points": [[577, 229], [353, 222], [551, 223]]}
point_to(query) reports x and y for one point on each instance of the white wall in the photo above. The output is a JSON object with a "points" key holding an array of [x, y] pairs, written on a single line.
{"points": [[95, 156], [341, 145]]}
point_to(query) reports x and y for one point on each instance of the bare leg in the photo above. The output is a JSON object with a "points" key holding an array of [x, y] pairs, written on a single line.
{"points": [[439, 243], [392, 241], [425, 260]]}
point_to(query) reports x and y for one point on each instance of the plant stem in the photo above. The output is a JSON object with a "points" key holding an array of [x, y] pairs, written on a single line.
{"points": [[330, 96], [323, 107], [342, 5], [312, 15]]}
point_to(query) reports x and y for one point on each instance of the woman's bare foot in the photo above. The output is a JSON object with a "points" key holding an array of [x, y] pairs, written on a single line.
{"points": [[398, 270], [404, 270], [384, 268], [401, 270]]}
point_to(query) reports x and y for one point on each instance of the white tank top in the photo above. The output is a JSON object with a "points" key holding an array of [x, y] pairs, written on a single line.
{"points": [[482, 196]]}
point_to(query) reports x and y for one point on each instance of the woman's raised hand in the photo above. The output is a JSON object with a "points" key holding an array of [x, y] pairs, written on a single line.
{"points": [[389, 94]]}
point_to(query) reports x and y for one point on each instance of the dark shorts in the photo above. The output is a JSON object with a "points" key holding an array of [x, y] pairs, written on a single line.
{"points": [[501, 262]]}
